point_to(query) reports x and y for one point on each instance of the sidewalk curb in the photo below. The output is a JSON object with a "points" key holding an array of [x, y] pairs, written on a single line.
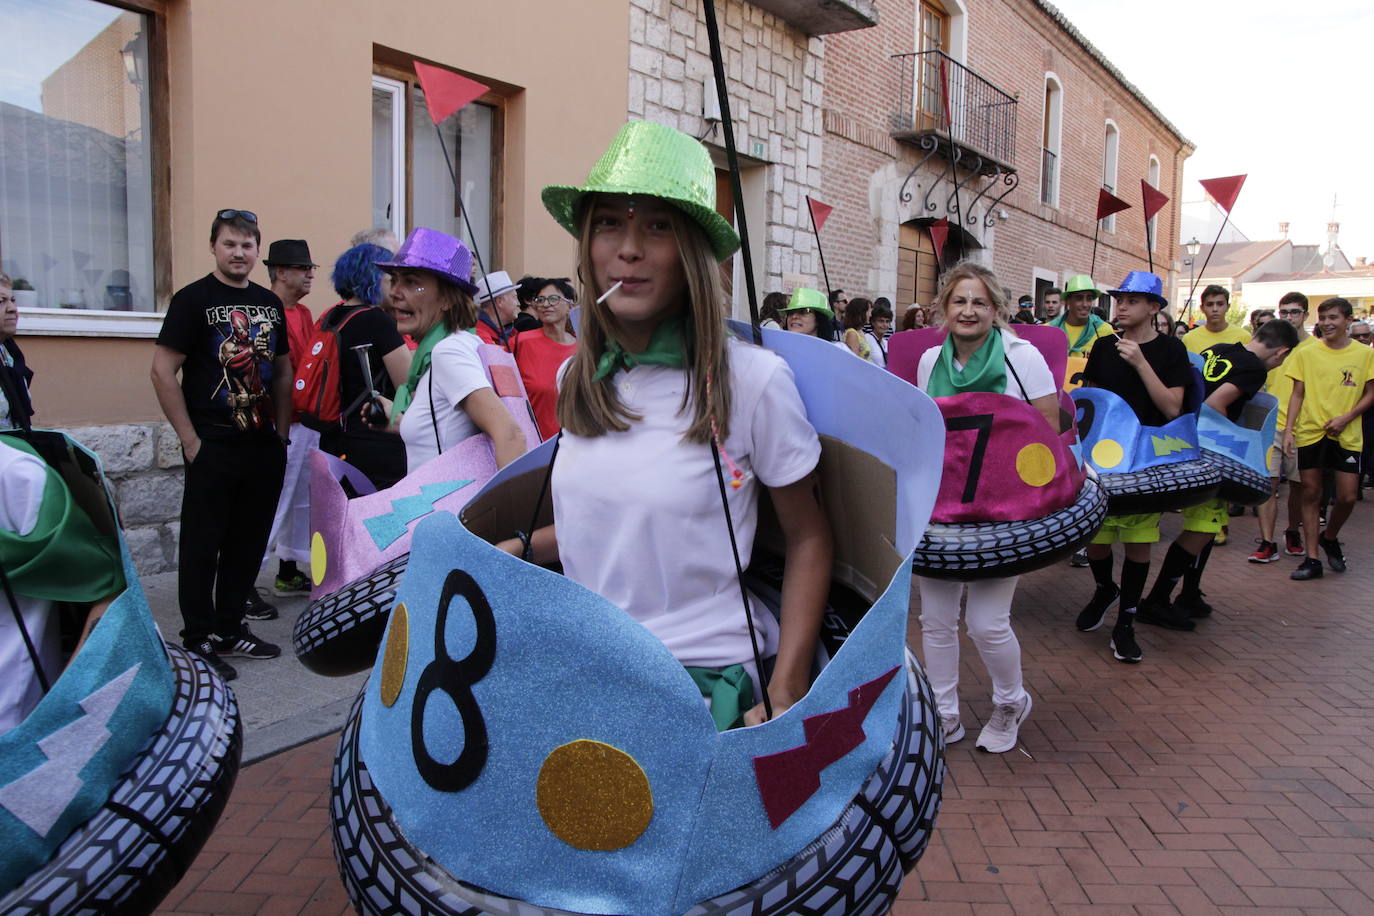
{"points": [[270, 740]]}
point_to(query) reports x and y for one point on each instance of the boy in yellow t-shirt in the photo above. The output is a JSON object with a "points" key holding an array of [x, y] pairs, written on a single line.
{"points": [[1333, 384], [1215, 301]]}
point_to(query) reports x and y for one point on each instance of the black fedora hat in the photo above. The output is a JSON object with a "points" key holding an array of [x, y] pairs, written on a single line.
{"points": [[289, 253]]}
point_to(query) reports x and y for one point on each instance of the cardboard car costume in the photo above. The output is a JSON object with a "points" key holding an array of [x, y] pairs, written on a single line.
{"points": [[490, 736]]}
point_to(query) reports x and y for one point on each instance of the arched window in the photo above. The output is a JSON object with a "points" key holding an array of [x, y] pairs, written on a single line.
{"points": [[1051, 165], [1111, 147], [1152, 176]]}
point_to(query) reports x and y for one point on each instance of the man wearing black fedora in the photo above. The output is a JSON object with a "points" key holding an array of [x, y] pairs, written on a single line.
{"points": [[292, 272]]}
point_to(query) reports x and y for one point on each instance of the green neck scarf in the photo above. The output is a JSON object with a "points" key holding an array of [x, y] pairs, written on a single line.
{"points": [[1085, 337], [730, 690], [419, 365], [63, 558], [666, 348], [985, 370]]}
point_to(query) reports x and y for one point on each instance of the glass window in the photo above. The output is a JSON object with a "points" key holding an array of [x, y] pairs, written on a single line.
{"points": [[1110, 148], [76, 209]]}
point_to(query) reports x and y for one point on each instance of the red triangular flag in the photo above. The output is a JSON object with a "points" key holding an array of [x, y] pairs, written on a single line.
{"points": [[1223, 190], [819, 212], [446, 91], [939, 231], [1108, 203], [1153, 200]]}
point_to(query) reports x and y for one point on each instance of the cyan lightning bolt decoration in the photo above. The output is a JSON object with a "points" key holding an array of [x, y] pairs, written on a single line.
{"points": [[389, 528], [1233, 445], [39, 797], [1167, 445]]}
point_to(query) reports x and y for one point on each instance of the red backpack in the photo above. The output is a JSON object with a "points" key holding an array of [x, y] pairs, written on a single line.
{"points": [[317, 394]]}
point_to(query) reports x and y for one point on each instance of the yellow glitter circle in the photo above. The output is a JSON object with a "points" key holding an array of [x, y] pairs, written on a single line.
{"points": [[594, 796], [319, 558], [395, 654], [1035, 463], [1108, 453]]}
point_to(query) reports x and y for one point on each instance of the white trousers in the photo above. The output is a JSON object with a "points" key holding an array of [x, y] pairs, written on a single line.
{"points": [[290, 537], [988, 621]]}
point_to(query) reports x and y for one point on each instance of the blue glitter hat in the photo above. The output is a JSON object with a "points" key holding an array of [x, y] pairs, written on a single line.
{"points": [[1142, 281]]}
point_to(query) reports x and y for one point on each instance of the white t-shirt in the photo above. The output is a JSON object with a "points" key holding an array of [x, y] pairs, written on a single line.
{"points": [[1030, 367], [456, 371], [639, 515], [22, 494], [877, 352]]}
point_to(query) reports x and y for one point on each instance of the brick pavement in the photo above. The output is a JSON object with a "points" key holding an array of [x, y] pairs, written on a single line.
{"points": [[1232, 770]]}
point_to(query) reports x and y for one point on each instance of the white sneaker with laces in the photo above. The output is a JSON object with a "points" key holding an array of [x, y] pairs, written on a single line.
{"points": [[999, 735], [953, 728]]}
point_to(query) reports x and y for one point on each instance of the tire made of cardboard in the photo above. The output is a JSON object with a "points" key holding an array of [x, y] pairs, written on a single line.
{"points": [[1241, 485], [339, 633], [855, 867], [1163, 488], [995, 550], [135, 849]]}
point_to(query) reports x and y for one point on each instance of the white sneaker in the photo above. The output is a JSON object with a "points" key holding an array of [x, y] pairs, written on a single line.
{"points": [[999, 735], [953, 728]]}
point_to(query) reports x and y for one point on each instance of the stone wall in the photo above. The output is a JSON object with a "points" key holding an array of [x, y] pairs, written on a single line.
{"points": [[143, 465]]}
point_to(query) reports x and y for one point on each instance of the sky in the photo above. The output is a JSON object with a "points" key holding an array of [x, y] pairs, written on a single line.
{"points": [[1271, 89], [65, 26]]}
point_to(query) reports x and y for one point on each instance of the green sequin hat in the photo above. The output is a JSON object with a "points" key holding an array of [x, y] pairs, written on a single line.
{"points": [[1081, 283], [805, 298], [655, 161]]}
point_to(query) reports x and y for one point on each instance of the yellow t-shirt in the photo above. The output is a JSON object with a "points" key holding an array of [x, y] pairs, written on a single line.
{"points": [[1199, 338], [1075, 331], [1333, 381], [1281, 386]]}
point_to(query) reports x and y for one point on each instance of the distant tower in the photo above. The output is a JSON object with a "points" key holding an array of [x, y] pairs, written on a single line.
{"points": [[1283, 230], [1329, 258]]}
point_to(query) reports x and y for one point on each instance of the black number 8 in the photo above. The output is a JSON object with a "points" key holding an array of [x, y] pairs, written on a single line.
{"points": [[454, 679]]}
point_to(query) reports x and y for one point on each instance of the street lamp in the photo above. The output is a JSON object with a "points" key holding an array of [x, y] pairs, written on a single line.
{"points": [[1192, 246], [135, 65]]}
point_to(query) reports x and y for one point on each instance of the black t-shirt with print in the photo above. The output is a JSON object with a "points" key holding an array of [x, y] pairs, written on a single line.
{"points": [[230, 336], [1166, 355], [1235, 364]]}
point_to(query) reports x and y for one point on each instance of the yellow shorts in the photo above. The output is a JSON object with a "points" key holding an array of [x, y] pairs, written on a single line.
{"points": [[1129, 529], [1206, 518]]}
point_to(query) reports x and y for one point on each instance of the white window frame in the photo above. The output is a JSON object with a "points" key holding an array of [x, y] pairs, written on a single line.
{"points": [[1111, 160], [1055, 118], [397, 90], [1152, 173]]}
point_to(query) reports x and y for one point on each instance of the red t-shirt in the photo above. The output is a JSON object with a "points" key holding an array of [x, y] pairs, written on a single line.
{"points": [[300, 324], [539, 359]]}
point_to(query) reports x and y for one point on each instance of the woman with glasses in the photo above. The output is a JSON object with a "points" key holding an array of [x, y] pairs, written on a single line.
{"points": [[540, 352]]}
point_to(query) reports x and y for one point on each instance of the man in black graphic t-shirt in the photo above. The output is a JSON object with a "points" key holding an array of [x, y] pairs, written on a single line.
{"points": [[226, 337]]}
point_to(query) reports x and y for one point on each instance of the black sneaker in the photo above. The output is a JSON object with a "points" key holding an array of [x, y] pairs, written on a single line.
{"points": [[257, 609], [206, 650], [1079, 560], [1194, 606], [1095, 611], [1164, 615], [244, 645], [1311, 568], [1124, 646], [1235, 511], [1335, 557]]}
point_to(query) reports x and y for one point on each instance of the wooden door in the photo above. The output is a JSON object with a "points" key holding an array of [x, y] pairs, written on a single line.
{"points": [[918, 270]]}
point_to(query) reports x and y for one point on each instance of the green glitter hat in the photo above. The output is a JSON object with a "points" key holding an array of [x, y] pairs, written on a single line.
{"points": [[805, 298], [1081, 283], [655, 161]]}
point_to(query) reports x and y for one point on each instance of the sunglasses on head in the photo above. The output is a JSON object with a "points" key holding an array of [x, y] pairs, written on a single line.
{"points": [[239, 214]]}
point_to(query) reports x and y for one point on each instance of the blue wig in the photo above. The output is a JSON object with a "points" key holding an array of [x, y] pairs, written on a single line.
{"points": [[356, 273]]}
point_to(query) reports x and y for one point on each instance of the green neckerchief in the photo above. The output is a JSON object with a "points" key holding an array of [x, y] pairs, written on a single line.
{"points": [[985, 370], [1086, 337], [665, 349], [63, 558], [419, 364], [730, 690]]}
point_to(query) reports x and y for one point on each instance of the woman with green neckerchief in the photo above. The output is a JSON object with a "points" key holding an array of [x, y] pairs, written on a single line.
{"points": [[980, 353], [1077, 320], [446, 397]]}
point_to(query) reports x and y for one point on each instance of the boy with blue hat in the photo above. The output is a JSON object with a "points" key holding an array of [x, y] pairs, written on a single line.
{"points": [[1150, 372]]}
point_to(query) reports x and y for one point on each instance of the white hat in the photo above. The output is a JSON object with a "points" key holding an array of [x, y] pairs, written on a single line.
{"points": [[498, 281]]}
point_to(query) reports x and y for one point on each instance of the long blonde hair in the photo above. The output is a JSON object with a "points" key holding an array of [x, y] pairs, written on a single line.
{"points": [[587, 407], [968, 270]]}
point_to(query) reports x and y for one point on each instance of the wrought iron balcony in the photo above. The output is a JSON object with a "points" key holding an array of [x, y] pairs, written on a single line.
{"points": [[944, 104]]}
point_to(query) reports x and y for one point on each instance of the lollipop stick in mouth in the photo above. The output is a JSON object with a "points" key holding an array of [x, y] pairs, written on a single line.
{"points": [[607, 294]]}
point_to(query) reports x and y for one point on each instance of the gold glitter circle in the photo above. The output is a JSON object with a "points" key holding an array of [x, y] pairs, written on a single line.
{"points": [[319, 558], [1108, 453], [594, 796], [395, 654], [1035, 464]]}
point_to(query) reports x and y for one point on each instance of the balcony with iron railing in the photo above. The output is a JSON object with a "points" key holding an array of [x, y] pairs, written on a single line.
{"points": [[969, 119]]}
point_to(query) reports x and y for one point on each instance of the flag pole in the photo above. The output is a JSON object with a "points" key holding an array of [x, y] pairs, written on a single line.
{"points": [[1197, 278], [1097, 226], [463, 209], [817, 232]]}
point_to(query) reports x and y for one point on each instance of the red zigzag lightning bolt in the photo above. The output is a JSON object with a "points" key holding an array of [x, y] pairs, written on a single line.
{"points": [[788, 778]]}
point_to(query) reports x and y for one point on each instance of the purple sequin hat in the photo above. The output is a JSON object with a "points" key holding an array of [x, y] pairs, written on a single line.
{"points": [[435, 251]]}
